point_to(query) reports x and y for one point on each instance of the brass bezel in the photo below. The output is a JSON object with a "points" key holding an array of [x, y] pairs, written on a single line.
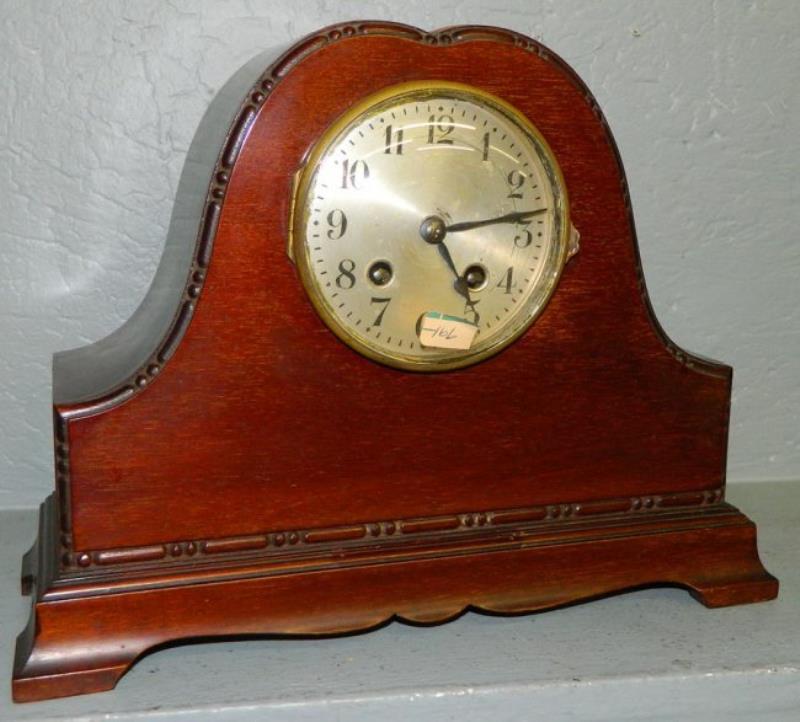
{"points": [[298, 251]]}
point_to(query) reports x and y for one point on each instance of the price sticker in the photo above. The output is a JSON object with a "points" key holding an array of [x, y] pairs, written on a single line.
{"points": [[438, 330]]}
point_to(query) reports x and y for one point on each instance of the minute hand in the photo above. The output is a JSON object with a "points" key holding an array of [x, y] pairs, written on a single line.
{"points": [[508, 218]]}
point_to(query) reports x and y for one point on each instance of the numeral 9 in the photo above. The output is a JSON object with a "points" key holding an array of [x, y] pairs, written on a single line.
{"points": [[337, 221]]}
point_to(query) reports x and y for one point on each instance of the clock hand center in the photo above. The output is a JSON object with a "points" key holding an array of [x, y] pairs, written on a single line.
{"points": [[433, 229]]}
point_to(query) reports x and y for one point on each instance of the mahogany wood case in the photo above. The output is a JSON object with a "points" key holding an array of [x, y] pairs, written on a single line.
{"points": [[225, 465]]}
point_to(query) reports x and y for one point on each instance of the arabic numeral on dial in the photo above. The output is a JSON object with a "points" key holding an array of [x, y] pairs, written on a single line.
{"points": [[398, 141], [516, 179], [507, 282], [471, 313], [337, 221], [524, 238], [385, 302], [354, 175], [439, 129], [346, 278]]}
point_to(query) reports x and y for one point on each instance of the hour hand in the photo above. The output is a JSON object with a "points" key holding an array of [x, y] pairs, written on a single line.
{"points": [[507, 218], [460, 284], [432, 230]]}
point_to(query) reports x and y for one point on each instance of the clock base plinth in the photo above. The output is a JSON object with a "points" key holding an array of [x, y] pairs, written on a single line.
{"points": [[87, 629]]}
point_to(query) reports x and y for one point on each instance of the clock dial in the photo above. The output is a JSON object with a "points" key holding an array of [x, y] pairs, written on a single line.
{"points": [[430, 226]]}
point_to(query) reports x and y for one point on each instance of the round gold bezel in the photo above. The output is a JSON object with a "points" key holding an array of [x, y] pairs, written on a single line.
{"points": [[536, 300]]}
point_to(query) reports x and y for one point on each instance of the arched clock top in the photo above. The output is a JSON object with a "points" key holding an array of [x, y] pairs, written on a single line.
{"points": [[95, 378]]}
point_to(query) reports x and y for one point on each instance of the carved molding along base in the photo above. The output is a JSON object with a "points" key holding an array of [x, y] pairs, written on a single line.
{"points": [[81, 646], [317, 541]]}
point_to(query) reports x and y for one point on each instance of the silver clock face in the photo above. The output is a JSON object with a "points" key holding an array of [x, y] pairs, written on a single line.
{"points": [[430, 226]]}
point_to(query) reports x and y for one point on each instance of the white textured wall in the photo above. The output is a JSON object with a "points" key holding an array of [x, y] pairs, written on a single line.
{"points": [[101, 100]]}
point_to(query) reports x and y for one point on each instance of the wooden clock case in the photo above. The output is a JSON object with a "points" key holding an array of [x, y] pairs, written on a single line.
{"points": [[225, 465]]}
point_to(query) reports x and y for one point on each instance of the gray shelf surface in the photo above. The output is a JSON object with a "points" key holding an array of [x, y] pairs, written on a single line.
{"points": [[653, 654]]}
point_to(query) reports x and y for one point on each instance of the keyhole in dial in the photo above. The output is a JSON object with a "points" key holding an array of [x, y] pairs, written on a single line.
{"points": [[380, 273], [475, 277]]}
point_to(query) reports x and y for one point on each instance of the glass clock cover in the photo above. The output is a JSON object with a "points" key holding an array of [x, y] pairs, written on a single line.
{"points": [[430, 225]]}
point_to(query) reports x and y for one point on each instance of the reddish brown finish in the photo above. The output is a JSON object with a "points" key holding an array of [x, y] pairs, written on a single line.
{"points": [[265, 450]]}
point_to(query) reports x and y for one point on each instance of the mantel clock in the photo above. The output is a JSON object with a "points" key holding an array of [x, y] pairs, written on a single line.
{"points": [[398, 360]]}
